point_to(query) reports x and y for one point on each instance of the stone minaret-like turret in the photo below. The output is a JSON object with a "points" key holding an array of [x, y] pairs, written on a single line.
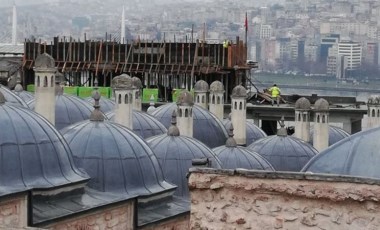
{"points": [[123, 91], [216, 99], [321, 125], [185, 113], [137, 88], [44, 83], [373, 112], [200, 93], [239, 113], [302, 119]]}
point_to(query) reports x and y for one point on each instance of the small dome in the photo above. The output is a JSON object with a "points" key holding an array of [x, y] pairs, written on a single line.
{"points": [[302, 104], [44, 61], [176, 153], [335, 135], [116, 159], [239, 91], [12, 98], [24, 95], [207, 128], [144, 125], [106, 104], [185, 98], [33, 153], [217, 87], [357, 155], [321, 105], [374, 100], [122, 81], [253, 133], [284, 153], [201, 87], [69, 109], [136, 82]]}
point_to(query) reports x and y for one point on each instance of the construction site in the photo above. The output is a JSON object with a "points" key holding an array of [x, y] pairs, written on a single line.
{"points": [[163, 65]]}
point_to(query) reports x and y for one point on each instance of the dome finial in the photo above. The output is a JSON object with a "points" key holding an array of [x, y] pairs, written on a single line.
{"points": [[151, 107], [2, 98], [231, 142], [173, 129], [18, 87], [282, 131], [96, 115], [96, 83]]}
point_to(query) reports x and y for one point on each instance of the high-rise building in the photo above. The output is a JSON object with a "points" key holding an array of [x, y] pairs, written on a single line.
{"points": [[353, 52], [327, 42]]}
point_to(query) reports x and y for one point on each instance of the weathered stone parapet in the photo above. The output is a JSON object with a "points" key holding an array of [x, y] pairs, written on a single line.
{"points": [[245, 199], [178, 223], [13, 212]]}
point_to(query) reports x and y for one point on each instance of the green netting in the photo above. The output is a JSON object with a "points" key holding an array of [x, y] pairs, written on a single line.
{"points": [[104, 91], [84, 92], [176, 92], [30, 88], [71, 90], [147, 93]]}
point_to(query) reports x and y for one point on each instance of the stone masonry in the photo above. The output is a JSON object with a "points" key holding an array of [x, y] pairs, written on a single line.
{"points": [[13, 211], [178, 223], [241, 199]]}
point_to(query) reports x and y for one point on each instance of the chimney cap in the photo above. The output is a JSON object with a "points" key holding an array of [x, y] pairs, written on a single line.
{"points": [[217, 87], [123, 81], [321, 105], [302, 104], [136, 83], [44, 61], [185, 98], [201, 86], [239, 91]]}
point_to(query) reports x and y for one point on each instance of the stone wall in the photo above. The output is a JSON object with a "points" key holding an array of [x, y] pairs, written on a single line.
{"points": [[13, 211], [112, 217], [258, 200], [177, 223]]}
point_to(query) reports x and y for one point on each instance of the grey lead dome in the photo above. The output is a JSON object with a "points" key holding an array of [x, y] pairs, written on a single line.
{"points": [[239, 91], [12, 98], [123, 81], [302, 104], [217, 87], [321, 105], [201, 87]]}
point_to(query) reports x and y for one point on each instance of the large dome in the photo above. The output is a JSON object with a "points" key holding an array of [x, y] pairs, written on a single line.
{"points": [[144, 125], [68, 110], [33, 153], [175, 154], [335, 134], [106, 105], [11, 98], [233, 156], [207, 127], [284, 153], [116, 159], [357, 155], [253, 133]]}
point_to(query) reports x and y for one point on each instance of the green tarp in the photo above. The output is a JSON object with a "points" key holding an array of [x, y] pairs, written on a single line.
{"points": [[30, 88], [71, 90]]}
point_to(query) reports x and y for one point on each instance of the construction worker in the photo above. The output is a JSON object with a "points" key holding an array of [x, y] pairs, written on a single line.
{"points": [[225, 44], [276, 92]]}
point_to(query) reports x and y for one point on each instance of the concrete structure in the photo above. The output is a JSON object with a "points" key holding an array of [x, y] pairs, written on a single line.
{"points": [[248, 199], [239, 113], [185, 113], [302, 119], [353, 52], [200, 94], [216, 99], [321, 125], [123, 90], [373, 112], [137, 93], [44, 82]]}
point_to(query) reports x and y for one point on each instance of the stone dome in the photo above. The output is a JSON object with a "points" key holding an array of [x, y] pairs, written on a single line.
{"points": [[253, 133], [356, 155], [144, 125], [24, 95], [106, 105], [185, 98], [239, 91], [33, 153], [201, 86], [284, 153], [176, 153], [217, 87], [44, 61], [123, 81], [136, 82], [69, 109], [321, 105], [335, 135], [207, 128], [302, 104], [12, 98], [116, 159]]}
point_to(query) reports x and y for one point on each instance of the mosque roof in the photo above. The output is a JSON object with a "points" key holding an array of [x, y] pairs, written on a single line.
{"points": [[356, 155], [335, 134], [253, 133], [12, 98], [176, 153], [33, 153], [69, 109], [106, 105], [284, 153], [207, 127]]}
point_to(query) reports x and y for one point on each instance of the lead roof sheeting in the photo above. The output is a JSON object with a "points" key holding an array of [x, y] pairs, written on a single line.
{"points": [[106, 105], [335, 135], [12, 98], [253, 133], [207, 127]]}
